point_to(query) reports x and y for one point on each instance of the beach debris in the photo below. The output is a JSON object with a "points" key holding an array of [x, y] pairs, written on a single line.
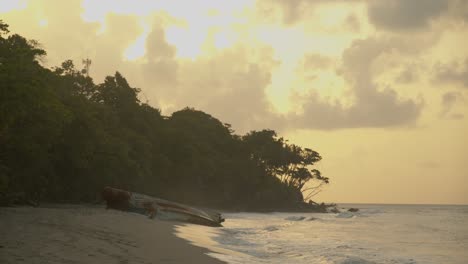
{"points": [[353, 210], [295, 218], [159, 208], [271, 228]]}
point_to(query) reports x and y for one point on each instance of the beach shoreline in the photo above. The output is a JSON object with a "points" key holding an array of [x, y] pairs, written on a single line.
{"points": [[91, 234]]}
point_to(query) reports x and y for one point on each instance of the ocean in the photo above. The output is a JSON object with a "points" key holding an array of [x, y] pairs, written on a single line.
{"points": [[375, 234]]}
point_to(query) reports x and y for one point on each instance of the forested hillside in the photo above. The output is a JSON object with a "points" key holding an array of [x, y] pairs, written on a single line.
{"points": [[64, 137]]}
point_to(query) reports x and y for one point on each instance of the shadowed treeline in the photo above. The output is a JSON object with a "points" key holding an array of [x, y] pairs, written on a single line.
{"points": [[63, 138]]}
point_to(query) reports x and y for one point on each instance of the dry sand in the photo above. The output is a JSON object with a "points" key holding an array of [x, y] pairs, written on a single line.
{"points": [[77, 234]]}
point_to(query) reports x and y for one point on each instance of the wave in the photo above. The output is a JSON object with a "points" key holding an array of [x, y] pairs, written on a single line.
{"points": [[369, 236], [346, 215]]}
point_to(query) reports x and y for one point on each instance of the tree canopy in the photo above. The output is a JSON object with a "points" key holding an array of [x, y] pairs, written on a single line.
{"points": [[63, 138]]}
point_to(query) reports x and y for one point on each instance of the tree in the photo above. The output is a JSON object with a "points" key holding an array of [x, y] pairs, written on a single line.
{"points": [[3, 28], [117, 93], [63, 138], [290, 163], [32, 115], [74, 82]]}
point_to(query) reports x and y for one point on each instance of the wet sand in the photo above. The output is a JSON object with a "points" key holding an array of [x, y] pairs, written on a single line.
{"points": [[78, 234]]}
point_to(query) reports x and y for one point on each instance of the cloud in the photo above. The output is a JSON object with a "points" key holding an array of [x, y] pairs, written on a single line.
{"points": [[370, 109], [390, 15], [459, 10], [352, 22], [290, 11], [65, 34], [293, 11], [452, 73], [157, 47], [402, 15], [159, 73], [232, 83], [315, 61], [312, 64], [227, 85], [107, 49], [406, 76], [449, 100], [372, 106]]}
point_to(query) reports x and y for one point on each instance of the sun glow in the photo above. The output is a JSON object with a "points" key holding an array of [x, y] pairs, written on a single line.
{"points": [[188, 42], [43, 22], [223, 40], [186, 27], [191, 39], [10, 5]]}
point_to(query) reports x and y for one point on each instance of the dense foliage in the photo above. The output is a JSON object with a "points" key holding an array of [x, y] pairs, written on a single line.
{"points": [[63, 138]]}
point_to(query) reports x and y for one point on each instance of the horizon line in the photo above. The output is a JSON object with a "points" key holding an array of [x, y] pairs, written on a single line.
{"points": [[368, 203]]}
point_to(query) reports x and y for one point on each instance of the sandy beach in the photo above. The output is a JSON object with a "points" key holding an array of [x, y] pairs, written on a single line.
{"points": [[78, 234]]}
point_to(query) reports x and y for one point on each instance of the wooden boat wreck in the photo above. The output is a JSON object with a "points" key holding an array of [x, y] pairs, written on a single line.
{"points": [[159, 208]]}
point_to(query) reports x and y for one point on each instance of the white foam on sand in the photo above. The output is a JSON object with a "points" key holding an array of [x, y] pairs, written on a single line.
{"points": [[205, 236]]}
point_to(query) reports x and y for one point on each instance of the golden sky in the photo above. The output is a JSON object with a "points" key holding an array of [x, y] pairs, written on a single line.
{"points": [[379, 88]]}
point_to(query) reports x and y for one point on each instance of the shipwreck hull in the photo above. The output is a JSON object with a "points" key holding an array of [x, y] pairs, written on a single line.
{"points": [[159, 208]]}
